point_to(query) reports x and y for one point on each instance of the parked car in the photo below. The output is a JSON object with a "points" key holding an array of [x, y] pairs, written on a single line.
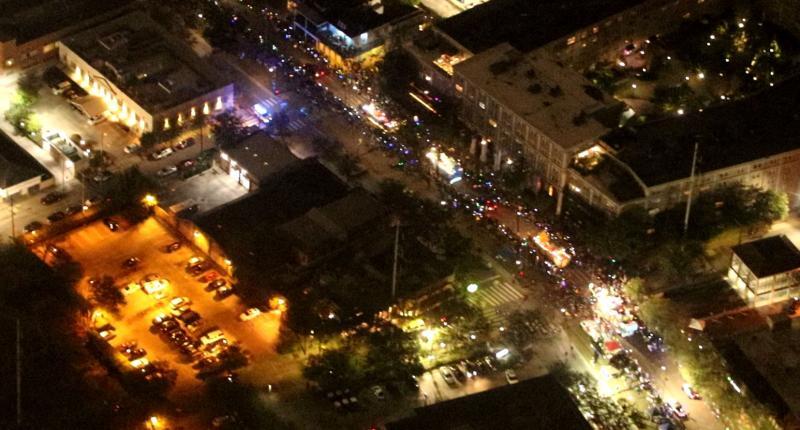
{"points": [[51, 198], [690, 392], [172, 247], [447, 375], [223, 292], [511, 376], [378, 392], [166, 171], [179, 301], [215, 284], [131, 262], [74, 209], [186, 164], [56, 217], [250, 314], [33, 226], [164, 153], [209, 276], [132, 148], [102, 176], [111, 223], [185, 143]]}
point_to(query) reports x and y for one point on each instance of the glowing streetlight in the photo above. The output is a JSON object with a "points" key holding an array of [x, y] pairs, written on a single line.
{"points": [[149, 200], [472, 288]]}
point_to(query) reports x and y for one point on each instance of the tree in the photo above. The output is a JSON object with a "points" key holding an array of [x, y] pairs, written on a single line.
{"points": [[150, 139], [333, 368], [128, 187], [397, 71], [103, 292], [28, 87], [227, 129], [392, 354]]}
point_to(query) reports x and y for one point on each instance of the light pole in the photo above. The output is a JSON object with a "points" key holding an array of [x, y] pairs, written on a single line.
{"points": [[11, 206], [396, 223]]}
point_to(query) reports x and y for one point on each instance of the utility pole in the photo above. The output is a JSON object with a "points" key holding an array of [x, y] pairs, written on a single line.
{"points": [[691, 191], [396, 250], [11, 205]]}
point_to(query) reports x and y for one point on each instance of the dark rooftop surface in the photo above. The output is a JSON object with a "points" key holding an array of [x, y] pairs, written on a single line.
{"points": [[534, 404], [354, 17], [246, 228], [28, 19], [769, 256], [262, 156], [16, 165], [760, 126], [321, 226], [526, 24]]}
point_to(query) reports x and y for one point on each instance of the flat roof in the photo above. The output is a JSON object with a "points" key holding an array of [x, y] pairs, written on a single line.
{"points": [[141, 59], [549, 95], [534, 404], [335, 221], [769, 256], [16, 165], [526, 24], [354, 17], [261, 156], [25, 20], [245, 228], [731, 133]]}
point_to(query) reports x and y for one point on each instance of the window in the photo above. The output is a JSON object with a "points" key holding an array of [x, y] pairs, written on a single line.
{"points": [[459, 88], [571, 40], [482, 105]]}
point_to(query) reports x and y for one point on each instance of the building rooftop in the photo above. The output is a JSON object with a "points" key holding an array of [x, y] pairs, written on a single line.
{"points": [[731, 133], [539, 403], [354, 17], [768, 362], [246, 228], [769, 256], [16, 165], [557, 100], [526, 24], [155, 70], [261, 156], [333, 222], [25, 20]]}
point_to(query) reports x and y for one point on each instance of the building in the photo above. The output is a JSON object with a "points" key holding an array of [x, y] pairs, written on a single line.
{"points": [[766, 270], [351, 221], [29, 29], [255, 160], [533, 107], [753, 141], [538, 403], [20, 173], [148, 80], [525, 25], [354, 34]]}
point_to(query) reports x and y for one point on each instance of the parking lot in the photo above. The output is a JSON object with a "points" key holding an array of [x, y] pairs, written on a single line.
{"points": [[102, 252]]}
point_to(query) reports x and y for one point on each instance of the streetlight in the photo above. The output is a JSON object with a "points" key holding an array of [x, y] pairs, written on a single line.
{"points": [[149, 200], [472, 288], [153, 421]]}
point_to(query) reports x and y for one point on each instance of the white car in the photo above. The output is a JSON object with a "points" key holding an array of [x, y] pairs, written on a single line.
{"points": [[164, 153], [140, 362], [511, 376], [447, 375], [212, 337], [169, 170], [177, 302], [132, 148], [250, 314]]}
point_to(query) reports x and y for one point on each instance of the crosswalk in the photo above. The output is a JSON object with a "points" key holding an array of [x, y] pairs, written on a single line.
{"points": [[490, 298]]}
